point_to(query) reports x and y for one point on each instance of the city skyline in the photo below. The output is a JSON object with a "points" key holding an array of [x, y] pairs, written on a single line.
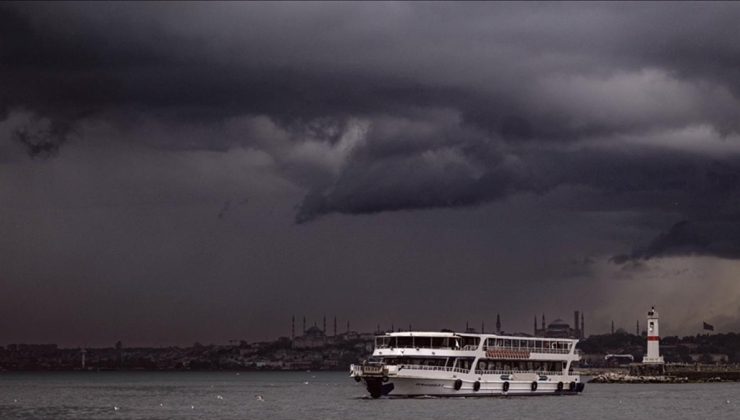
{"points": [[181, 172]]}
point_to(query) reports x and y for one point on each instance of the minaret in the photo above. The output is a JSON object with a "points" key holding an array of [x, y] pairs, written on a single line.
{"points": [[304, 324], [583, 327], [498, 324], [83, 352], [482, 327], [335, 325], [535, 325], [653, 339], [637, 328], [612, 326], [543, 322]]}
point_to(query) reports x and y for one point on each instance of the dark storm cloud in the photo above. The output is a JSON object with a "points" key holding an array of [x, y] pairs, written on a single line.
{"points": [[73, 65], [465, 104], [72, 60]]}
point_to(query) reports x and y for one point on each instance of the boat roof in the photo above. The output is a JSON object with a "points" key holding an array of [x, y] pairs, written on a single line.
{"points": [[422, 334], [454, 334]]}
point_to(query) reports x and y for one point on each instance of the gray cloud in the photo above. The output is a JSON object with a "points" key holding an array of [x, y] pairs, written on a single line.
{"points": [[566, 131], [461, 102]]}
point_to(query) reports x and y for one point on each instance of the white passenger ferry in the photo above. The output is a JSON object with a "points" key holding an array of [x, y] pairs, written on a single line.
{"points": [[407, 364]]}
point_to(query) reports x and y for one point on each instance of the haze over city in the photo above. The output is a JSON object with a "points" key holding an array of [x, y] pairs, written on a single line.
{"points": [[172, 173]]}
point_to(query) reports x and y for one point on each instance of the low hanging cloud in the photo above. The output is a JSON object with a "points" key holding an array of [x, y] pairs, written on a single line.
{"points": [[435, 179], [43, 142], [720, 238]]}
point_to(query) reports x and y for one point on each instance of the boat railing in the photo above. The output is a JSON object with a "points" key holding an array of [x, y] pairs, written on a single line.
{"points": [[513, 371], [355, 369], [438, 368], [529, 349]]}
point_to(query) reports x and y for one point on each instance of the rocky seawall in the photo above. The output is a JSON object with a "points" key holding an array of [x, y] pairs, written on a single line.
{"points": [[687, 377]]}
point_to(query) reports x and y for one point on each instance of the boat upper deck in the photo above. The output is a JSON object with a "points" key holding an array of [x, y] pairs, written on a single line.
{"points": [[492, 344]]}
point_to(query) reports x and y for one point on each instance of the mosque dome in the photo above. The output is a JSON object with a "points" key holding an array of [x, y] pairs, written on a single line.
{"points": [[558, 323]]}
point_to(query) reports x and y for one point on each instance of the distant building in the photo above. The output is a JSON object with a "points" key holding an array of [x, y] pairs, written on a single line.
{"points": [[559, 328], [313, 337], [715, 358]]}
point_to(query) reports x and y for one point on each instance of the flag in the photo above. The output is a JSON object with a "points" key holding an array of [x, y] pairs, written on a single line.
{"points": [[708, 327]]}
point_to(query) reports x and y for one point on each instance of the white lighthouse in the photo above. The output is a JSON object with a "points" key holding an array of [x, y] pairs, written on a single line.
{"points": [[653, 339]]}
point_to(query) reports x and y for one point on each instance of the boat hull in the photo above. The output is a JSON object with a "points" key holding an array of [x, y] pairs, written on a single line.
{"points": [[422, 386]]}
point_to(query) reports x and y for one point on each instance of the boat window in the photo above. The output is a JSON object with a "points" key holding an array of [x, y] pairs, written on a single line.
{"points": [[403, 342], [382, 342], [439, 342], [470, 342], [464, 363], [495, 342]]}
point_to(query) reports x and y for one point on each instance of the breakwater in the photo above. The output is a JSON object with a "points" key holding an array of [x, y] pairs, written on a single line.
{"points": [[675, 377]]}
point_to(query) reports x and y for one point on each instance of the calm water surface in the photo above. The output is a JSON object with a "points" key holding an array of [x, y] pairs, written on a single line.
{"points": [[317, 395]]}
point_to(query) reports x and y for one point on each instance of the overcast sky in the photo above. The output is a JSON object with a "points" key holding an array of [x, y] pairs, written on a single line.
{"points": [[172, 173]]}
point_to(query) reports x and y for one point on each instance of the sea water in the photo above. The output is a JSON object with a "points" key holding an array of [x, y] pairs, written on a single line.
{"points": [[330, 395]]}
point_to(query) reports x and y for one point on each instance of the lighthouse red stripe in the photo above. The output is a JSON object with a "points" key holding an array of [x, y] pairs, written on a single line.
{"points": [[653, 338]]}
